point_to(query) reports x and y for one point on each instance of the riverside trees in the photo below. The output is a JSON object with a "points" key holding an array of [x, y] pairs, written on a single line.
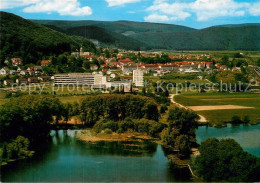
{"points": [[117, 107], [28, 116], [23, 120], [181, 131], [225, 160]]}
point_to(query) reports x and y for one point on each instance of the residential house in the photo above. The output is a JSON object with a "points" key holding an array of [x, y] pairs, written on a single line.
{"points": [[4, 71], [93, 67], [125, 61], [129, 68], [24, 73], [37, 70], [44, 78], [8, 82], [168, 67], [22, 81], [33, 80], [45, 62], [12, 72], [148, 67], [16, 61], [89, 57]]}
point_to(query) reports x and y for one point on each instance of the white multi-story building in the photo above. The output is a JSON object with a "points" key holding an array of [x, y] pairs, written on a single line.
{"points": [[74, 79], [138, 78]]}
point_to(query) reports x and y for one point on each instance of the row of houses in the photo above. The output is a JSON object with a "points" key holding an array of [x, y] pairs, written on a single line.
{"points": [[30, 71], [10, 82]]}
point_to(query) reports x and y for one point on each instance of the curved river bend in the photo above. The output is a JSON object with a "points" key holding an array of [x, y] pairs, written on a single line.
{"points": [[69, 160]]}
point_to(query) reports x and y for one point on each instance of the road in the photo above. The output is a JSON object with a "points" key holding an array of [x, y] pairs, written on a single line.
{"points": [[202, 118]]}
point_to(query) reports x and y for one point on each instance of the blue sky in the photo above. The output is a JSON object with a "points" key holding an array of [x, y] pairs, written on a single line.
{"points": [[192, 13]]}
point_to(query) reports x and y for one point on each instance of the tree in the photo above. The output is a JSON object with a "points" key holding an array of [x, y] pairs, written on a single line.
{"points": [[183, 145], [28, 116], [183, 120], [238, 55], [258, 62], [225, 160], [116, 51], [236, 120], [95, 61], [107, 54], [144, 91], [86, 65], [181, 132], [224, 60]]}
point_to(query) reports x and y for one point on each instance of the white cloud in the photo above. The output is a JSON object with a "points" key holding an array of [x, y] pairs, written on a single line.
{"points": [[7, 4], [203, 9], [157, 18], [120, 2], [63, 7], [255, 9]]}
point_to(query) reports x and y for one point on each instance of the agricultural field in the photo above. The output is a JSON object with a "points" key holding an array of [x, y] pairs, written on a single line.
{"points": [[227, 105]]}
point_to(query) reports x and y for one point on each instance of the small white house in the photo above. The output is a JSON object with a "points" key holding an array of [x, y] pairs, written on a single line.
{"points": [[4, 71]]}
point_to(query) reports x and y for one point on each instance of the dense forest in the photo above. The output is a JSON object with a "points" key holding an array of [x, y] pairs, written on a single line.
{"points": [[31, 41], [106, 37], [165, 36], [213, 38]]}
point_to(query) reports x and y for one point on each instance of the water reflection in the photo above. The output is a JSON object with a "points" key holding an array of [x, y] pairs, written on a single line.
{"points": [[70, 160], [248, 136]]}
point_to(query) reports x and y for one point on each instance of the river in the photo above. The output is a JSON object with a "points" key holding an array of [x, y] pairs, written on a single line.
{"points": [[248, 136], [68, 160]]}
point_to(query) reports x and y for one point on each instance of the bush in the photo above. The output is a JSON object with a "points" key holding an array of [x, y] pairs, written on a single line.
{"points": [[148, 126], [163, 109], [183, 145], [108, 131], [126, 125], [16, 149], [236, 120], [246, 119], [104, 124]]}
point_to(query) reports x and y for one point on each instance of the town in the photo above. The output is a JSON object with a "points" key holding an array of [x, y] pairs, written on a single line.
{"points": [[97, 99], [114, 68]]}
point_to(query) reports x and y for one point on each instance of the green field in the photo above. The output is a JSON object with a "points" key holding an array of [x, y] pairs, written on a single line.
{"points": [[216, 116]]}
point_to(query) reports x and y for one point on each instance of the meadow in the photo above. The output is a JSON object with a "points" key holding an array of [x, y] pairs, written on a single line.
{"points": [[218, 116]]}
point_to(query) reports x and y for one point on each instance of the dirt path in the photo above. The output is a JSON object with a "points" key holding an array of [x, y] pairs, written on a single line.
{"points": [[218, 107], [202, 118]]}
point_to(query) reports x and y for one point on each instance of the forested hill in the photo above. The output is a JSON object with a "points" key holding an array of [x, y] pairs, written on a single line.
{"points": [[122, 27], [31, 41], [107, 37], [213, 38], [166, 36]]}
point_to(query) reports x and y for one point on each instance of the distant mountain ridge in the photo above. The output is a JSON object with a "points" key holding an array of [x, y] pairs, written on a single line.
{"points": [[127, 35], [148, 36]]}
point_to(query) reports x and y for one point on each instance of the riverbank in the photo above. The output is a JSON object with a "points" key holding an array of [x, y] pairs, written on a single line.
{"points": [[10, 161], [89, 136]]}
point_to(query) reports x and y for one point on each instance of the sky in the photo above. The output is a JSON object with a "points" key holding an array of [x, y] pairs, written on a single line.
{"points": [[191, 13]]}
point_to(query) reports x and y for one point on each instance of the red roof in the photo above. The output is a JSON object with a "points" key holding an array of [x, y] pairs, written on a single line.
{"points": [[45, 62], [88, 56], [16, 60], [127, 60]]}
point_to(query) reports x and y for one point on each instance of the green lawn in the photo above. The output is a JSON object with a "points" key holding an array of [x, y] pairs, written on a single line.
{"points": [[242, 99], [71, 99]]}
